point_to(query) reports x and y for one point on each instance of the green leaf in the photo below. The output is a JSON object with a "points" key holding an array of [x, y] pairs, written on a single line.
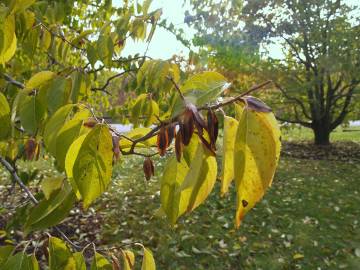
{"points": [[105, 49], [19, 261], [148, 262], [20, 5], [79, 261], [186, 184], [71, 130], [5, 253], [52, 211], [230, 128], [54, 124], [200, 89], [50, 185], [92, 168], [39, 79], [80, 86], [100, 263], [58, 93], [32, 112], [256, 153], [60, 257], [4, 117]]}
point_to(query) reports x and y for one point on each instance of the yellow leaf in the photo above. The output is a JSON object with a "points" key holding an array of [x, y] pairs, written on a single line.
{"points": [[39, 79], [298, 256], [148, 262], [230, 128], [256, 154], [129, 259], [186, 184]]}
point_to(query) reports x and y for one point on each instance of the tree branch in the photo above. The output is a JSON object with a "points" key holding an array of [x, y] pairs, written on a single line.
{"points": [[103, 88], [9, 79]]}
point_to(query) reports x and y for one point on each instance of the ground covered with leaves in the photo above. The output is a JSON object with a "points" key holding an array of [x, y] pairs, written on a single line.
{"points": [[309, 219]]}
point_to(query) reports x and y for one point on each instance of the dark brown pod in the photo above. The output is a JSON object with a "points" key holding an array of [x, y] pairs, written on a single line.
{"points": [[148, 168], [187, 127], [90, 123], [212, 127], [162, 141], [196, 115], [31, 149], [170, 130], [256, 104], [178, 146]]}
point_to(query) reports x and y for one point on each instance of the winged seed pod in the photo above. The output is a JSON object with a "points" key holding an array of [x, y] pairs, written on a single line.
{"points": [[256, 104], [212, 127], [178, 145], [162, 141], [170, 130], [187, 126], [148, 168], [31, 149]]}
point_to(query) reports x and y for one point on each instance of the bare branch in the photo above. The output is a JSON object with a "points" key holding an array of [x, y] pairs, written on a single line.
{"points": [[176, 87], [9, 79]]}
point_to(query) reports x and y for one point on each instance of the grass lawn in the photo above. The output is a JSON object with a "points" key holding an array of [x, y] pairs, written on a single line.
{"points": [[339, 134], [309, 219]]}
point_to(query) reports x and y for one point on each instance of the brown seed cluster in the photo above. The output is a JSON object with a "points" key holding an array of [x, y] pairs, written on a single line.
{"points": [[32, 149], [148, 168]]}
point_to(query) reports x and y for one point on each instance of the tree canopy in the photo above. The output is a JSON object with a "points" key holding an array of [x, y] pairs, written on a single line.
{"points": [[319, 75]]}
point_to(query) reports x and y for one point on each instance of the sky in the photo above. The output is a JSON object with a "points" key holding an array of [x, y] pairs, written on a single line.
{"points": [[164, 44]]}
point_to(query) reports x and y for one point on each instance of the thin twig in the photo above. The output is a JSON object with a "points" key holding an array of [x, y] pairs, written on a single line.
{"points": [[176, 87], [103, 88]]}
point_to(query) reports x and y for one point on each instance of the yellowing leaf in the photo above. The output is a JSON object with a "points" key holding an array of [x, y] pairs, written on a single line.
{"points": [[93, 165], [298, 256], [186, 184], [230, 128], [100, 263], [9, 53], [256, 153], [148, 262], [135, 134], [39, 79], [4, 117], [53, 126], [128, 259]]}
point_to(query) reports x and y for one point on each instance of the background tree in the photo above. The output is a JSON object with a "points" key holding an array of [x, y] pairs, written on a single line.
{"points": [[319, 77], [58, 62]]}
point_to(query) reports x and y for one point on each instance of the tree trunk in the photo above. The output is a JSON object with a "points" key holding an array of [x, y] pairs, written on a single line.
{"points": [[321, 135]]}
